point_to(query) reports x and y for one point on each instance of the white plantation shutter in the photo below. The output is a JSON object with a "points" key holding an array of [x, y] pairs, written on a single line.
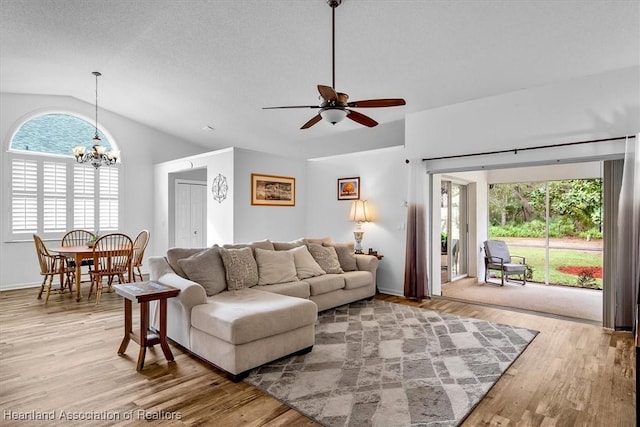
{"points": [[49, 192], [54, 186], [108, 201], [24, 196], [83, 197]]}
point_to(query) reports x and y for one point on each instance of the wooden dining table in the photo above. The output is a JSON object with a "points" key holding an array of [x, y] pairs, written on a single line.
{"points": [[79, 253]]}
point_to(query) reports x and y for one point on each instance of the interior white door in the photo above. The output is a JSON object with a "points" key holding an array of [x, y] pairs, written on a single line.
{"points": [[191, 213]]}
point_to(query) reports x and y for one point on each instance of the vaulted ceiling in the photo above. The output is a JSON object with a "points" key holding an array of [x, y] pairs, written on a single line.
{"points": [[181, 66]]}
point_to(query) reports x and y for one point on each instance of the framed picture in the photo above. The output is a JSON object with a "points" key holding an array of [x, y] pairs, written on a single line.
{"points": [[271, 190], [349, 188]]}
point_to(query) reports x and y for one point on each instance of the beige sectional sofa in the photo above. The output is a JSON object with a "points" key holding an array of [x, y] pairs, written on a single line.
{"points": [[244, 305]]}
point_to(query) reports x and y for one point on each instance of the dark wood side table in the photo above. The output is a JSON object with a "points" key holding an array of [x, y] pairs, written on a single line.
{"points": [[142, 293]]}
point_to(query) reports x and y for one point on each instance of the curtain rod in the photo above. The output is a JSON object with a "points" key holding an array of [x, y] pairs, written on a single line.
{"points": [[515, 150]]}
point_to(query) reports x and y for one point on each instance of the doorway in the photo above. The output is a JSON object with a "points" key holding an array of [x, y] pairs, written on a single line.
{"points": [[454, 231]]}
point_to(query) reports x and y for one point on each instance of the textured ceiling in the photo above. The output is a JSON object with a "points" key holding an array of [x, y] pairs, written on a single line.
{"points": [[180, 66]]}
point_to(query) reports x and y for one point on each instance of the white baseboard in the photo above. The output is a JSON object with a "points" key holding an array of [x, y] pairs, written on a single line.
{"points": [[14, 286], [393, 292]]}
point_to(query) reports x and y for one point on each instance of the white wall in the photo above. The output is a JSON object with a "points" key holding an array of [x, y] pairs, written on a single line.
{"points": [[234, 219], [593, 107], [383, 181], [268, 222], [219, 214], [140, 147]]}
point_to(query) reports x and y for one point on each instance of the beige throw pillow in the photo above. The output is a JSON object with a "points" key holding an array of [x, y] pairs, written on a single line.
{"points": [[176, 254], [241, 267], [346, 255], [207, 269], [262, 244], [306, 266], [318, 241], [285, 246], [275, 267], [326, 257]]}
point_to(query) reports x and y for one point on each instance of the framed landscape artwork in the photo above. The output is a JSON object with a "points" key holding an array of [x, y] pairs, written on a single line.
{"points": [[349, 188], [272, 190]]}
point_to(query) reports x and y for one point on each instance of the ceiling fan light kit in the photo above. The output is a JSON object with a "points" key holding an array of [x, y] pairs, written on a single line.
{"points": [[333, 115], [335, 106]]}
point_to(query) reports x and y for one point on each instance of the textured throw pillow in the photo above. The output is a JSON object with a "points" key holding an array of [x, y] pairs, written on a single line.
{"points": [[176, 254], [241, 267], [326, 257], [346, 255], [275, 267], [285, 246], [207, 269], [306, 266]]}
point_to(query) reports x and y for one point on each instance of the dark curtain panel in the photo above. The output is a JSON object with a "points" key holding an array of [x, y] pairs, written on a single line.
{"points": [[415, 268], [415, 264]]}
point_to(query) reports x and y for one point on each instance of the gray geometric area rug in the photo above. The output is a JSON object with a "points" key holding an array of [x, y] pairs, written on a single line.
{"points": [[377, 363]]}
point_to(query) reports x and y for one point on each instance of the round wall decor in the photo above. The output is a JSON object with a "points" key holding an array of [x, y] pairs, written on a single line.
{"points": [[219, 188]]}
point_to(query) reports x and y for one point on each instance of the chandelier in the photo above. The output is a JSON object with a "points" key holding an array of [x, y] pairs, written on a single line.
{"points": [[98, 156]]}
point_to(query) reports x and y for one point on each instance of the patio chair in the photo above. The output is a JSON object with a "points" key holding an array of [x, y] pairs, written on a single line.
{"points": [[497, 257]]}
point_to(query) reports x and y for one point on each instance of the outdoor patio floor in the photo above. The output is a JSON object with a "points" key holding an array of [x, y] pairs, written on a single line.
{"points": [[576, 303]]}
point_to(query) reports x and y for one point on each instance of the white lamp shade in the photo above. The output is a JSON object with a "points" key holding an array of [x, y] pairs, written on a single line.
{"points": [[333, 115], [359, 211]]}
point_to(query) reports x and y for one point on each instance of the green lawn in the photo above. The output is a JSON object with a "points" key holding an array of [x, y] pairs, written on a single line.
{"points": [[558, 258]]}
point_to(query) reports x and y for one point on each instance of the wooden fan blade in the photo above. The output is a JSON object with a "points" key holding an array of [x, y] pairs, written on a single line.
{"points": [[374, 103], [315, 119], [292, 106], [328, 93], [361, 118]]}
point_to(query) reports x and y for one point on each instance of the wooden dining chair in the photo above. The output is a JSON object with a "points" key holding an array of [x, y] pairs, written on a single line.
{"points": [[76, 238], [112, 255], [50, 266], [139, 246]]}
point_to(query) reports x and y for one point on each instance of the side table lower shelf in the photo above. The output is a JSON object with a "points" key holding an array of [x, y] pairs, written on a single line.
{"points": [[143, 293]]}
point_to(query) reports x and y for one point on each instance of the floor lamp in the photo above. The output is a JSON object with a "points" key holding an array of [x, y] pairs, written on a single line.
{"points": [[359, 215]]}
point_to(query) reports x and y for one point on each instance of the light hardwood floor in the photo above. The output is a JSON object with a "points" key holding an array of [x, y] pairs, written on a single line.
{"points": [[62, 357]]}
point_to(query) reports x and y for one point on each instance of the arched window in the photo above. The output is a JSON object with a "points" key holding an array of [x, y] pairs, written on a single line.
{"points": [[50, 192]]}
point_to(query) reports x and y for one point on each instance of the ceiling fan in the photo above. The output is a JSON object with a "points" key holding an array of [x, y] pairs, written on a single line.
{"points": [[335, 105]]}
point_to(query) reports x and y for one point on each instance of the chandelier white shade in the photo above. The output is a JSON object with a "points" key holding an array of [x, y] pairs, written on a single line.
{"points": [[333, 115], [98, 156]]}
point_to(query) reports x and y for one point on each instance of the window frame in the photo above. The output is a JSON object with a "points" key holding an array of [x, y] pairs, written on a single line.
{"points": [[70, 164]]}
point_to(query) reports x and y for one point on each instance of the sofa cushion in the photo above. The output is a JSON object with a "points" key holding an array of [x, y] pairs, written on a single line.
{"points": [[275, 267], [324, 284], [207, 269], [346, 255], [285, 246], [326, 257], [262, 244], [249, 314], [298, 289], [176, 254], [357, 279], [241, 267], [306, 266]]}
